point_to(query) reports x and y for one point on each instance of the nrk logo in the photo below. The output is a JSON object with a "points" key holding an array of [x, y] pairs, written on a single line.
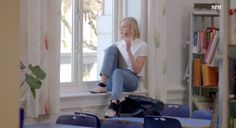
{"points": [[216, 7]]}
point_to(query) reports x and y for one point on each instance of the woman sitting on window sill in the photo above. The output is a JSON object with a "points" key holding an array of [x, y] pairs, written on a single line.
{"points": [[133, 51]]}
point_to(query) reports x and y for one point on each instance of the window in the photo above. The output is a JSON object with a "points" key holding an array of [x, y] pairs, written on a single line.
{"points": [[82, 39]]}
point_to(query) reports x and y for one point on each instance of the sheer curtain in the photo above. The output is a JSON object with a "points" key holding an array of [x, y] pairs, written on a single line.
{"points": [[156, 37], [40, 45]]}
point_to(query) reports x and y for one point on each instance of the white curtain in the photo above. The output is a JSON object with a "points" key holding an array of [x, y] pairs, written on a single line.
{"points": [[40, 45], [156, 37]]}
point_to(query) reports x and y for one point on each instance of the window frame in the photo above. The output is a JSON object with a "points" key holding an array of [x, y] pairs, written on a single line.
{"points": [[77, 84]]}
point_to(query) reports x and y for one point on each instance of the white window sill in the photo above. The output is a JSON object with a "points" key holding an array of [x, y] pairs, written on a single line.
{"points": [[78, 97], [88, 94], [87, 99]]}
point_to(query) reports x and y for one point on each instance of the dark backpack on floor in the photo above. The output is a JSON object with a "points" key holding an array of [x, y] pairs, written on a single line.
{"points": [[139, 106]]}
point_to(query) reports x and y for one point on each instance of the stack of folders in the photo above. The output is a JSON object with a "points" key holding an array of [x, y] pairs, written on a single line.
{"points": [[197, 77], [209, 75]]}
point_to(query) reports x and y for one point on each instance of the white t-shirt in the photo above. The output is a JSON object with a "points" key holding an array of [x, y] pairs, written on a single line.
{"points": [[138, 48]]}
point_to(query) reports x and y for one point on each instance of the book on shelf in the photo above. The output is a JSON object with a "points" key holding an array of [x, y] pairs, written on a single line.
{"points": [[210, 52], [231, 122], [232, 78], [201, 39], [195, 40], [209, 75], [232, 26], [197, 77], [234, 123], [203, 42]]}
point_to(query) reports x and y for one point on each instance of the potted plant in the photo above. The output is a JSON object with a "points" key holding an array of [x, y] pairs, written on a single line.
{"points": [[33, 76], [32, 79]]}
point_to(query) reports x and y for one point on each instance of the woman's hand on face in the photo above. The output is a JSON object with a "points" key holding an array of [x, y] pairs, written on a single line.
{"points": [[127, 41], [125, 29]]}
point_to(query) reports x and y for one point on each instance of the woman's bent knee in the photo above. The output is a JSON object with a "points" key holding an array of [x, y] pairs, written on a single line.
{"points": [[112, 49], [117, 73]]}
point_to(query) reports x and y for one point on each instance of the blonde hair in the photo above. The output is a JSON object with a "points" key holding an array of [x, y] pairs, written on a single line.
{"points": [[133, 26]]}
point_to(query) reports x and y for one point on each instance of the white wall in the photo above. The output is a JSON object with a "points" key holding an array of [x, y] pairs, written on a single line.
{"points": [[9, 51], [177, 30], [138, 9]]}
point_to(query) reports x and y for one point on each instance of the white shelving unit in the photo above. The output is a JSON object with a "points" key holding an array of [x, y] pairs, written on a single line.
{"points": [[189, 70], [223, 85]]}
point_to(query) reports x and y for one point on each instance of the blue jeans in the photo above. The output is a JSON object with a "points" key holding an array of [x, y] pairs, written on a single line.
{"points": [[118, 79]]}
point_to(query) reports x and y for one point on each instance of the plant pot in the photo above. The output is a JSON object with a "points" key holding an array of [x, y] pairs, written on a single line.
{"points": [[22, 117], [22, 111]]}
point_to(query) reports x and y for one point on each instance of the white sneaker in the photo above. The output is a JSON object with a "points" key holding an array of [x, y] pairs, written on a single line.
{"points": [[110, 113], [99, 89]]}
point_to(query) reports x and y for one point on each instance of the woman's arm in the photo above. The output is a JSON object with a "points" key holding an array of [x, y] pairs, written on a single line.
{"points": [[137, 64]]}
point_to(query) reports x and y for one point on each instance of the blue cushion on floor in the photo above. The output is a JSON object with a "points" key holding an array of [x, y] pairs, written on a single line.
{"points": [[116, 123], [175, 110], [202, 114], [161, 122]]}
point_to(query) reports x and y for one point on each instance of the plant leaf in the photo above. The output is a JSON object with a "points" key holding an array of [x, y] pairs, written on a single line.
{"points": [[33, 92], [32, 81], [37, 71]]}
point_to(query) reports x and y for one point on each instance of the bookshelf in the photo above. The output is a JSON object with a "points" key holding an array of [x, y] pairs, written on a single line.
{"points": [[205, 54], [226, 102]]}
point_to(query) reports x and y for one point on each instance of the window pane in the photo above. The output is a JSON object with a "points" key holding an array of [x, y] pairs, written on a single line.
{"points": [[91, 9], [66, 41]]}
